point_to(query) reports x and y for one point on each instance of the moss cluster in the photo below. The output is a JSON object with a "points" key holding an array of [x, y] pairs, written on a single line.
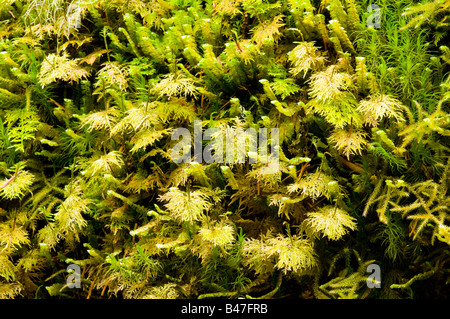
{"points": [[91, 92]]}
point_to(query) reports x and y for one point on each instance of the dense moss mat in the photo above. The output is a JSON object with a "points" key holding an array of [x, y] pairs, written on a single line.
{"points": [[99, 99]]}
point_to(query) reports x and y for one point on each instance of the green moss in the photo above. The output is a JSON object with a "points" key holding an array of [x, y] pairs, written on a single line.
{"points": [[88, 177]]}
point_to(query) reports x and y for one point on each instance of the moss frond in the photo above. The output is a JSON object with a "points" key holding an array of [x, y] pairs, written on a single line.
{"points": [[377, 107], [330, 85], [105, 164], [175, 85], [219, 234], [349, 142], [186, 206], [56, 67], [314, 185], [305, 57], [13, 236], [17, 185], [332, 222]]}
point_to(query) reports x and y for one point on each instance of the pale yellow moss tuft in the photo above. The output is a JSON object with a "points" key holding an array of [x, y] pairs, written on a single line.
{"points": [[219, 234], [305, 57], [330, 85], [313, 185], [331, 221], [114, 73], [17, 185], [349, 142], [105, 164], [376, 107], [175, 85], [184, 206], [56, 67], [285, 253]]}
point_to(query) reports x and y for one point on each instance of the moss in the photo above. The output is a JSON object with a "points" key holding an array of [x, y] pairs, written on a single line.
{"points": [[354, 116]]}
